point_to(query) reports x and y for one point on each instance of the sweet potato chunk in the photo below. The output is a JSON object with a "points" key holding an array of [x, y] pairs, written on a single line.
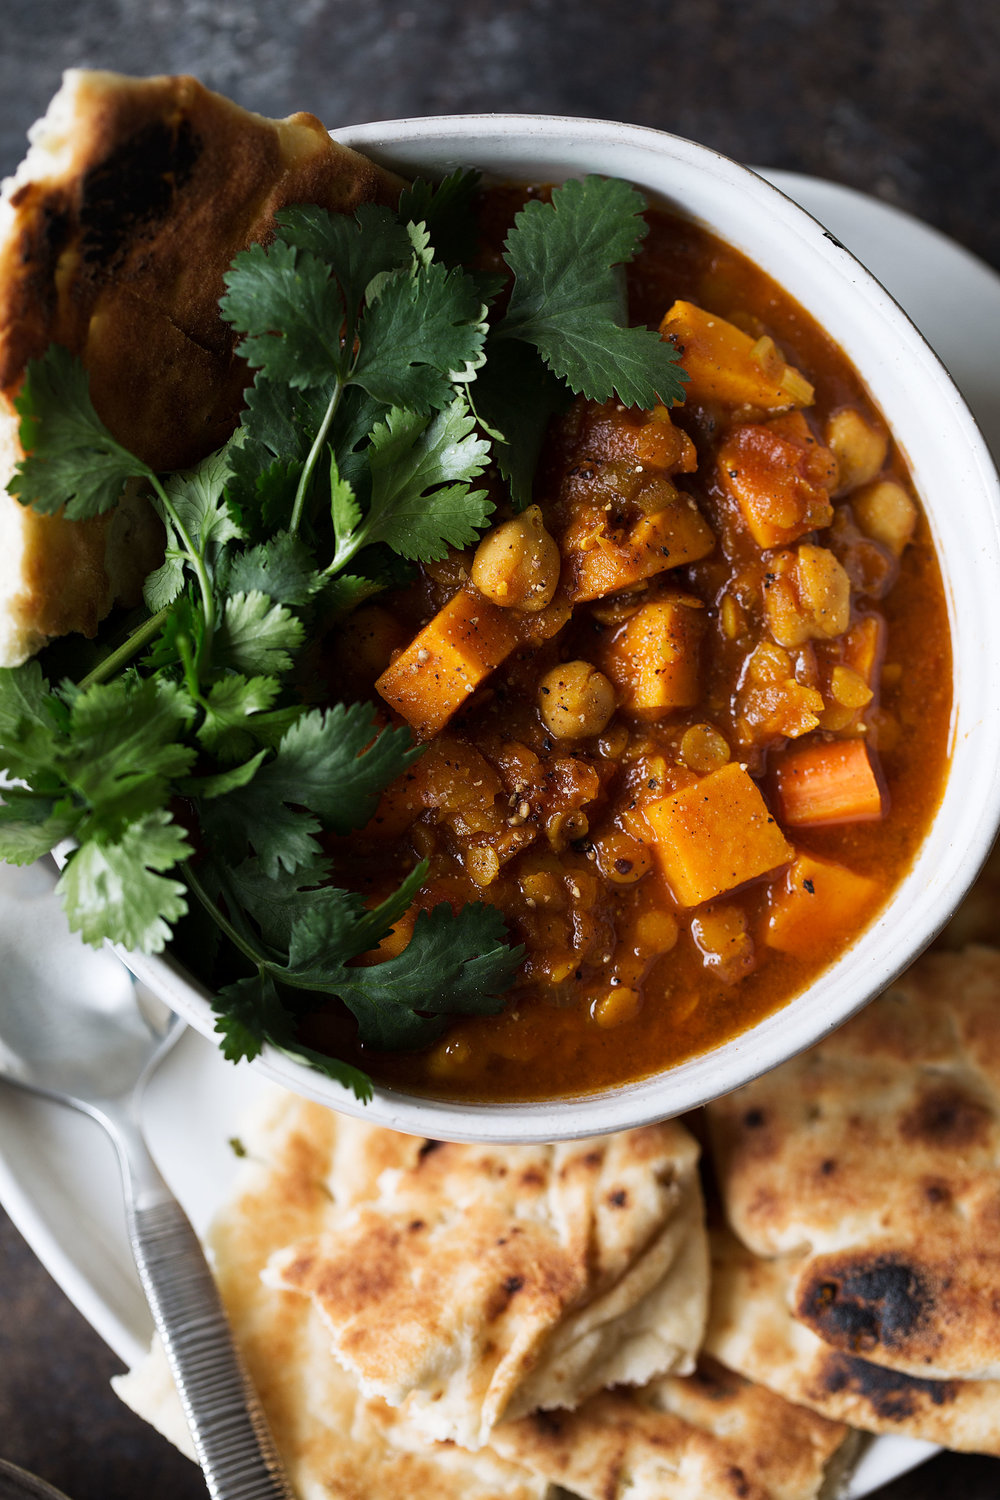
{"points": [[602, 556], [446, 661], [715, 835], [725, 364], [653, 660], [818, 902], [780, 477]]}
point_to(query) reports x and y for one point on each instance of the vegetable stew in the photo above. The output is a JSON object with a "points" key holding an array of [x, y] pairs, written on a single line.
{"points": [[686, 716]]}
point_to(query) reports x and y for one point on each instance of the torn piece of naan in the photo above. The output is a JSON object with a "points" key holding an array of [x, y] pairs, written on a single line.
{"points": [[708, 1436], [335, 1443], [487, 1281], [115, 233], [875, 1158], [752, 1330]]}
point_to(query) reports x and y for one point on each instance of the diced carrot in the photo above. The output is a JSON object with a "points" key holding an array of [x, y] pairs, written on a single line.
{"points": [[817, 903], [601, 561], [727, 365], [828, 782], [781, 478], [715, 835], [653, 659], [446, 661]]}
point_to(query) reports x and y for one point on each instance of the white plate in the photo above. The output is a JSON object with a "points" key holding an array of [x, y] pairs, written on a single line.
{"points": [[58, 1175]]}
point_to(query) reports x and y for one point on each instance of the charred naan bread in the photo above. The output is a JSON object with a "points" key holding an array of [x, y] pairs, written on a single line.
{"points": [[486, 1281], [875, 1158], [751, 1329], [708, 1436], [115, 233], [336, 1444]]}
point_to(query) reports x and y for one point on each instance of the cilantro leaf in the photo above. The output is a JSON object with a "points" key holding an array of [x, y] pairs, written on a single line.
{"points": [[197, 497], [255, 635], [230, 709], [273, 902], [28, 730], [337, 763], [344, 593], [125, 745], [446, 208], [452, 965], [329, 770], [31, 826], [515, 397], [330, 926], [206, 787], [290, 312], [198, 524], [424, 331], [250, 1013], [568, 300], [357, 247], [115, 889], [71, 457], [345, 512], [250, 820], [421, 503], [283, 568]]}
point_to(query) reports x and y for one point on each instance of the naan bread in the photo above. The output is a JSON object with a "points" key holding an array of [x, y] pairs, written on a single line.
{"points": [[708, 1436], [114, 236], [486, 1281], [875, 1158], [336, 1444], [751, 1329]]}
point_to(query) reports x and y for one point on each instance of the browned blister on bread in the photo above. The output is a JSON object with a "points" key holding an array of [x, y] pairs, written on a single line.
{"points": [[485, 1281], [307, 1171], [115, 234], [305, 1164], [875, 1159], [751, 1328]]}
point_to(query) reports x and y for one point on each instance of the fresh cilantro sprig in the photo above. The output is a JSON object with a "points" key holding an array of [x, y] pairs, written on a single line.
{"points": [[569, 302], [196, 779]]}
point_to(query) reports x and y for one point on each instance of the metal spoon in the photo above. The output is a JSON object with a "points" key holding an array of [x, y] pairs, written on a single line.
{"points": [[75, 1028]]}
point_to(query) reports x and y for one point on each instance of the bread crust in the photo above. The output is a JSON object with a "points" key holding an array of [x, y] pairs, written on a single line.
{"points": [[115, 234], [873, 1161]]}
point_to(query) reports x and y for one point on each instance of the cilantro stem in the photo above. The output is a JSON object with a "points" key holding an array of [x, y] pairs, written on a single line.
{"points": [[196, 559], [128, 648], [247, 949], [305, 479]]}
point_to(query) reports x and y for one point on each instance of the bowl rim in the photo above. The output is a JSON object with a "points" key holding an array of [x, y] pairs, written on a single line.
{"points": [[746, 1056]]}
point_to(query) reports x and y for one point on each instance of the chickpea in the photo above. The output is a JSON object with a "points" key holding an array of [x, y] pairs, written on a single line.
{"points": [[517, 564], [616, 1006], [575, 700]]}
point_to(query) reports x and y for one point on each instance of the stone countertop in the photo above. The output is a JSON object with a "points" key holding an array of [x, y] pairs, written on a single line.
{"points": [[894, 100]]}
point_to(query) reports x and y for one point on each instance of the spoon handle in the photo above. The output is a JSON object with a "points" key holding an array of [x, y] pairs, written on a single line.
{"points": [[227, 1422]]}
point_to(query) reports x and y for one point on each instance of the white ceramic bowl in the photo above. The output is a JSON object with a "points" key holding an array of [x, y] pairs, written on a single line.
{"points": [[958, 485]]}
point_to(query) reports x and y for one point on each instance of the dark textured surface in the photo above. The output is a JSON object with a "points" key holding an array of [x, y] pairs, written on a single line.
{"points": [[896, 99]]}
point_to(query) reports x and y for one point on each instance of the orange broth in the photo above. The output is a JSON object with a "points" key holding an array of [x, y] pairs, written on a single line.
{"points": [[568, 836]]}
